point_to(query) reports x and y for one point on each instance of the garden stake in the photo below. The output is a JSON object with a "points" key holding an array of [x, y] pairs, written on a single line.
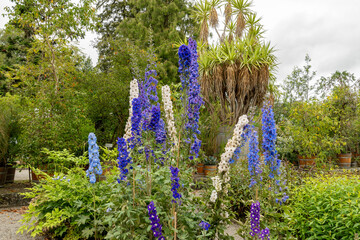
{"points": [[178, 153], [134, 187], [94, 213], [175, 225], [149, 176]]}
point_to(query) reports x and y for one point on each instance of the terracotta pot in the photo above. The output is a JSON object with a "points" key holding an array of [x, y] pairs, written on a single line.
{"points": [[200, 169], [3, 172], [10, 175], [344, 160], [305, 162], [210, 170]]}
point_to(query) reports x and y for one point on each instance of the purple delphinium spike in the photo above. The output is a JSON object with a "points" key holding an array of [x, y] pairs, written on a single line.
{"points": [[123, 159], [94, 159], [175, 183], [184, 64], [155, 117], [189, 73], [136, 122], [146, 111], [255, 223], [156, 227]]}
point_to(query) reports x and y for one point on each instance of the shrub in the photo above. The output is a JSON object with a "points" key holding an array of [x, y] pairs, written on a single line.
{"points": [[325, 207], [65, 207]]}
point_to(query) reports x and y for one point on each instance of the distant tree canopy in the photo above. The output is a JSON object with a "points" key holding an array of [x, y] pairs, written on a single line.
{"points": [[135, 22]]}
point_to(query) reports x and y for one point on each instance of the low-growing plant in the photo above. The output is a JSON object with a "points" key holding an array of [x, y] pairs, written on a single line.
{"points": [[242, 196], [64, 206], [325, 206]]}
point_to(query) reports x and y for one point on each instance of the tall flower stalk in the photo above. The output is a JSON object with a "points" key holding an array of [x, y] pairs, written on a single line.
{"points": [[255, 223], [94, 159], [123, 159], [134, 93], [169, 115], [189, 73], [253, 157], [220, 182], [269, 140], [156, 227]]}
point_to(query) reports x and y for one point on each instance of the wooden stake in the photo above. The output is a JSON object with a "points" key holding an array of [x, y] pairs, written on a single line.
{"points": [[133, 187], [175, 225]]}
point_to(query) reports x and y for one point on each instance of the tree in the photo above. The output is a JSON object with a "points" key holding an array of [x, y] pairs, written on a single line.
{"points": [[13, 51], [55, 113], [298, 85], [238, 69], [135, 22]]}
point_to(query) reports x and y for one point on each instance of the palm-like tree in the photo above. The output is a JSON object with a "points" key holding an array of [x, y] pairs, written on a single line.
{"points": [[238, 70]]}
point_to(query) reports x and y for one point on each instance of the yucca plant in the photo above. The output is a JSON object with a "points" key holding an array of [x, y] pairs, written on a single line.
{"points": [[237, 70]]}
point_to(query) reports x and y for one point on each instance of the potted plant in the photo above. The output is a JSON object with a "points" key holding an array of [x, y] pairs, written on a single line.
{"points": [[343, 102], [313, 132], [210, 165]]}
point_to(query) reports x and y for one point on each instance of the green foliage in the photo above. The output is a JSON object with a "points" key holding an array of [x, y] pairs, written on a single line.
{"points": [[325, 207], [311, 130], [62, 161], [137, 21], [129, 216], [107, 92], [272, 213], [67, 208], [54, 113], [10, 111], [13, 51], [298, 85]]}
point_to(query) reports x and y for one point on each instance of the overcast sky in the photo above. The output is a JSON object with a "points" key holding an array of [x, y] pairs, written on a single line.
{"points": [[328, 30]]}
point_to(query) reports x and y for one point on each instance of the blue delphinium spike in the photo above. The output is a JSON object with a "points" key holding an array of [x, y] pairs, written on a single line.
{"points": [[94, 159]]}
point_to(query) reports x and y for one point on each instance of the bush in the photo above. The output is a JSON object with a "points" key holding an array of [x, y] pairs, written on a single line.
{"points": [[325, 207], [66, 207], [242, 196]]}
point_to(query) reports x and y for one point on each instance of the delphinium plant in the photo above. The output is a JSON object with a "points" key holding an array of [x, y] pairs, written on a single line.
{"points": [[255, 223], [152, 196], [94, 168], [219, 203]]}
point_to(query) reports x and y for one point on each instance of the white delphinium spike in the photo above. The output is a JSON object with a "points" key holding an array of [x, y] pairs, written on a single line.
{"points": [[213, 196], [168, 107], [217, 183], [134, 93], [231, 145]]}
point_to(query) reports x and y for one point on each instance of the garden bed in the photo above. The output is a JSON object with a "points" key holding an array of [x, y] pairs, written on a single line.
{"points": [[10, 194]]}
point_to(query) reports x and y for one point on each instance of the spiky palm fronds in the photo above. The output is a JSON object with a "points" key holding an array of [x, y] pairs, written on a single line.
{"points": [[201, 14], [228, 12], [231, 28], [213, 16], [236, 74], [241, 10]]}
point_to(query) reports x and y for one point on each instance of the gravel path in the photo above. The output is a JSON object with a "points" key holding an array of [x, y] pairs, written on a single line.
{"points": [[9, 219]]}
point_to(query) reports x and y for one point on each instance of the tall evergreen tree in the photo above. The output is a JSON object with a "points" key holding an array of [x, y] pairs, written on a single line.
{"points": [[136, 21]]}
